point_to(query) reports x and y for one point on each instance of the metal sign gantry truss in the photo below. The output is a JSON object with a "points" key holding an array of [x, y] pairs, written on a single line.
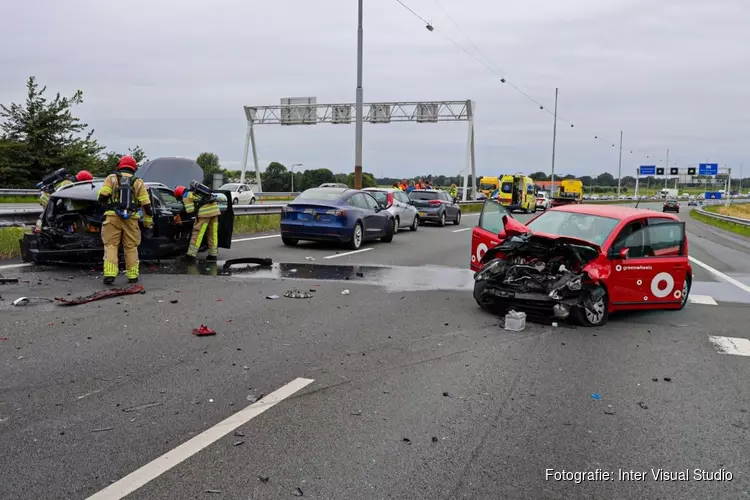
{"points": [[306, 111]]}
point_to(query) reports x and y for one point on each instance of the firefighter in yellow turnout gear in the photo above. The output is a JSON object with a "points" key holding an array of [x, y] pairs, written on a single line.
{"points": [[123, 194], [202, 199]]}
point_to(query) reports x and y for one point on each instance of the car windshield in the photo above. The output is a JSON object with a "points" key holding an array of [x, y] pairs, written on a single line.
{"points": [[487, 186], [423, 195], [320, 194], [229, 187], [593, 228]]}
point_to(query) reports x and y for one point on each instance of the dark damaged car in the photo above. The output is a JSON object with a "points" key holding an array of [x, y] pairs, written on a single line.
{"points": [[580, 261], [72, 222]]}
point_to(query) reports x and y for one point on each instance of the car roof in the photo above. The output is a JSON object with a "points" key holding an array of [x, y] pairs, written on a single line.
{"points": [[612, 211]]}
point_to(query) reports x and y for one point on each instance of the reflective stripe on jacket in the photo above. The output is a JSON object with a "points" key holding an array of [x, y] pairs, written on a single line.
{"points": [[210, 209], [111, 190]]}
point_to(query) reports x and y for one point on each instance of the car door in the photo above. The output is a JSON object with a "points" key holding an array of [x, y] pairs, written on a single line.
{"points": [[409, 212], [451, 210], [488, 232], [655, 268], [377, 220], [226, 223]]}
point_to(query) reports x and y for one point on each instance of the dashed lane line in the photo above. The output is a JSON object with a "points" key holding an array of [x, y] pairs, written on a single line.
{"points": [[461, 230], [257, 238], [337, 255], [702, 299], [721, 275], [731, 345], [159, 466]]}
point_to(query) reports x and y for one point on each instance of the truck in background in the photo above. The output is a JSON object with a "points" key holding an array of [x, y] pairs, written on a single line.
{"points": [[669, 193], [570, 191], [487, 185]]}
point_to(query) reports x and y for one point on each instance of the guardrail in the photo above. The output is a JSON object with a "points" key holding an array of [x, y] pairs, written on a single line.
{"points": [[19, 192], [728, 218]]}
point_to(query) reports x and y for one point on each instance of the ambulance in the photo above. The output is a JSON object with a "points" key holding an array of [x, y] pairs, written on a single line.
{"points": [[516, 192]]}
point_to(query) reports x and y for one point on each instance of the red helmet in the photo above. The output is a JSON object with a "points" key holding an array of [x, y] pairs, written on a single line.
{"points": [[127, 161], [179, 191], [84, 175]]}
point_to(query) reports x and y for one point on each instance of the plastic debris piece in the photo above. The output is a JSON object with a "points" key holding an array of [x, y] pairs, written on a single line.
{"points": [[141, 407], [609, 412], [102, 294], [103, 429], [434, 439], [406, 440], [159, 301], [203, 331], [21, 301], [515, 321], [272, 297], [309, 258], [667, 379], [554, 324], [596, 396], [298, 492], [297, 294], [238, 443], [356, 413], [292, 270], [239, 434], [264, 479], [345, 292], [654, 379], [213, 491], [252, 398], [361, 275], [173, 301], [643, 405], [218, 300], [446, 394]]}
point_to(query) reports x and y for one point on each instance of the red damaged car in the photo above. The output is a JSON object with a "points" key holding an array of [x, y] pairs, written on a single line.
{"points": [[582, 261]]}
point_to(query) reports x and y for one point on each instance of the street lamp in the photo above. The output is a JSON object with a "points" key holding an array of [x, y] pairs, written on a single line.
{"points": [[358, 111], [295, 165]]}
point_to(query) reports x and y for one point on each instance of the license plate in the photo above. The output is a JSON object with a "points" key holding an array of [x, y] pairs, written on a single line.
{"points": [[423, 214]]}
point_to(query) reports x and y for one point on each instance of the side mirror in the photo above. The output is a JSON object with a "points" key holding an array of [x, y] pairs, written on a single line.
{"points": [[377, 208], [622, 254]]}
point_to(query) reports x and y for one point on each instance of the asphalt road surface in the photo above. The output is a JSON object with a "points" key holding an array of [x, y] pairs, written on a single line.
{"points": [[401, 388]]}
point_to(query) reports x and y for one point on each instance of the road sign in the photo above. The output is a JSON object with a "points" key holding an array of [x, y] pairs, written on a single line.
{"points": [[674, 171], [708, 169], [647, 169], [691, 170], [660, 171], [713, 195]]}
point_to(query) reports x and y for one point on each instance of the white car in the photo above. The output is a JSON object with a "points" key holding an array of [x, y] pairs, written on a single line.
{"points": [[241, 193], [398, 204], [543, 200]]}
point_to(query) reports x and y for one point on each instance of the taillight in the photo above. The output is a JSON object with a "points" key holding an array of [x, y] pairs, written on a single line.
{"points": [[390, 199], [434, 202], [335, 213]]}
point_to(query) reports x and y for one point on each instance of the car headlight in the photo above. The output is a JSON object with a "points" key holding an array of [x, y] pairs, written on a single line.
{"points": [[491, 269]]}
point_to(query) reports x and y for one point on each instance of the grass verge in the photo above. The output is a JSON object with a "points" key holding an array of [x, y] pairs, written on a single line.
{"points": [[256, 223], [9, 247], [721, 224], [19, 199]]}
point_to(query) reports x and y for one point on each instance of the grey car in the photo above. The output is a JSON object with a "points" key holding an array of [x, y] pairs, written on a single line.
{"points": [[398, 204], [435, 206]]}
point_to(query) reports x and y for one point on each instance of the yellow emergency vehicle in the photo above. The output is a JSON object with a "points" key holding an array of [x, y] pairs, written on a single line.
{"points": [[488, 185], [516, 192]]}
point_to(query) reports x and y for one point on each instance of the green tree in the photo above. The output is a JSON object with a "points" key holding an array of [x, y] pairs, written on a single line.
{"points": [[108, 163], [368, 180], [314, 178], [277, 178], [43, 135], [605, 179], [210, 164], [539, 176]]}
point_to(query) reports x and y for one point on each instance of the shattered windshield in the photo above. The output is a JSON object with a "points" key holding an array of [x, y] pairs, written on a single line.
{"points": [[593, 228]]}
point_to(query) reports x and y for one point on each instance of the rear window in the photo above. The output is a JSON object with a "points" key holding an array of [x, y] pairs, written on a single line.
{"points": [[423, 195], [380, 197], [320, 194], [507, 187]]}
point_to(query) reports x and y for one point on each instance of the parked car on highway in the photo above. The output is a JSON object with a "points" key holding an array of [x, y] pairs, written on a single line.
{"points": [[693, 203], [335, 214], [435, 206], [583, 261], [241, 194], [333, 185], [398, 204], [72, 221], [543, 200], [671, 206]]}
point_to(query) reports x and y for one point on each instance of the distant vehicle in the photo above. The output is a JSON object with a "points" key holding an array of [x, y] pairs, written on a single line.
{"points": [[335, 214], [435, 206], [669, 193], [693, 203], [516, 192], [487, 185], [570, 191], [671, 206], [241, 193], [333, 185], [399, 205], [583, 261], [543, 200]]}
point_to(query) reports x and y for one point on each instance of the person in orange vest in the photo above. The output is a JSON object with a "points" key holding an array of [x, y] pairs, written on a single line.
{"points": [[404, 185]]}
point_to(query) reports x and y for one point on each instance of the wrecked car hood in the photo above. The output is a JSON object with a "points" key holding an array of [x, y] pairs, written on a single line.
{"points": [[516, 228]]}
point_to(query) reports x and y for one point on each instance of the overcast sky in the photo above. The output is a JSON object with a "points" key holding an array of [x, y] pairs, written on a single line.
{"points": [[172, 76]]}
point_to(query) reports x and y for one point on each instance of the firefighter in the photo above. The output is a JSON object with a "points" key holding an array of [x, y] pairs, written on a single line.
{"points": [[123, 194], [200, 198]]}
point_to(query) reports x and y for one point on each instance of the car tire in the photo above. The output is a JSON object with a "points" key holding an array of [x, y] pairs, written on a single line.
{"points": [[235, 201], [415, 223], [442, 219], [396, 225], [598, 316], [252, 201], [290, 242], [458, 218], [391, 231], [357, 236], [686, 291]]}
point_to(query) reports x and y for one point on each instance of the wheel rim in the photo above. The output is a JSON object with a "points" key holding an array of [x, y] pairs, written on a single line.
{"points": [[416, 221], [458, 218], [685, 291], [357, 235], [442, 218], [395, 225], [596, 312]]}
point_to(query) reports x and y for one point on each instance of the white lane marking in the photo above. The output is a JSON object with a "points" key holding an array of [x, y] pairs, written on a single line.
{"points": [[257, 238], [460, 230], [721, 275], [89, 394], [471, 214], [731, 345], [159, 466], [13, 266], [702, 299], [347, 253]]}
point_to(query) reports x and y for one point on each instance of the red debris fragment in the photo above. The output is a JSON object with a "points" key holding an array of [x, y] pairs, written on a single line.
{"points": [[218, 300], [203, 331]]}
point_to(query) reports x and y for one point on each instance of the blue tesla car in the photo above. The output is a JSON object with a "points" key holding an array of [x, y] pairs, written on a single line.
{"points": [[335, 214]]}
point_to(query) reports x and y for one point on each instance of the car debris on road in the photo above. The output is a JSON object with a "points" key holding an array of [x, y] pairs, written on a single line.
{"points": [[297, 294], [102, 294]]}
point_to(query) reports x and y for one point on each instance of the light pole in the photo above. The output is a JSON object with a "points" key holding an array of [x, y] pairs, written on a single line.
{"points": [[295, 165], [554, 139], [619, 168], [358, 125]]}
